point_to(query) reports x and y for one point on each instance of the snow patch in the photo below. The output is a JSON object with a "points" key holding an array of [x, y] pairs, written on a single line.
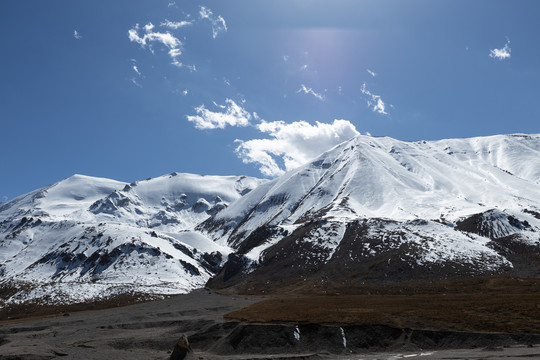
{"points": [[297, 333], [344, 339]]}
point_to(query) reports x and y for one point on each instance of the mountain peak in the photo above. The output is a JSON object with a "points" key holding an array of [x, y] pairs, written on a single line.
{"points": [[439, 183]]}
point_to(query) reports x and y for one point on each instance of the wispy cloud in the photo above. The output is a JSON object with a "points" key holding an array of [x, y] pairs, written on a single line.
{"points": [[175, 54], [230, 114], [77, 35], [294, 144], [135, 68], [304, 89], [148, 37], [374, 101], [175, 25], [503, 53], [151, 36], [172, 3], [218, 23], [371, 73], [135, 82]]}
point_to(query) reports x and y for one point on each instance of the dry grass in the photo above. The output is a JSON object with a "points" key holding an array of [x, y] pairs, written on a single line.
{"points": [[494, 305]]}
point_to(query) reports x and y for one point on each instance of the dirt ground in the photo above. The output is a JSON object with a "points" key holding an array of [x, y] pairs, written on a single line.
{"points": [[482, 319], [142, 331]]}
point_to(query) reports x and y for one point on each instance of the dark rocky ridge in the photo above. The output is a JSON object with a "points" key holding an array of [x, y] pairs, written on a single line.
{"points": [[296, 260]]}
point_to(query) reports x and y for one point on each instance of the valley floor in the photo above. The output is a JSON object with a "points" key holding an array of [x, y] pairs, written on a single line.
{"points": [[502, 321], [142, 331]]}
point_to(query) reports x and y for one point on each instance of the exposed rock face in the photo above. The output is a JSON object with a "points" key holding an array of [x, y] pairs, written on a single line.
{"points": [[235, 339]]}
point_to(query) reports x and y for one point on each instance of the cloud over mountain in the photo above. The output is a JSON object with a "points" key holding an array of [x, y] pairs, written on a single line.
{"points": [[292, 144]]}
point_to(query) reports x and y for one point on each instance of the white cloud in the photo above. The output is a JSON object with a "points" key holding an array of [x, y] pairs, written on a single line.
{"points": [[374, 101], [171, 4], [288, 144], [371, 73], [175, 54], [295, 143], [503, 53], [378, 106], [304, 67], [175, 25], [230, 114], [285, 58], [149, 27], [310, 91], [147, 36], [179, 64], [150, 36], [136, 69], [185, 92], [77, 35], [165, 38], [218, 23]]}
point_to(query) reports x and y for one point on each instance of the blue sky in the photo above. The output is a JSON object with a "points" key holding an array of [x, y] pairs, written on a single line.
{"points": [[135, 89]]}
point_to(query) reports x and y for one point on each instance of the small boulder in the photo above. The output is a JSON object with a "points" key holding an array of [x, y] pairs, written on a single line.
{"points": [[182, 350]]}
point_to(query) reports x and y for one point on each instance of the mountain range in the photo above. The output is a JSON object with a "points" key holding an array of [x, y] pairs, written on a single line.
{"points": [[86, 238], [370, 210]]}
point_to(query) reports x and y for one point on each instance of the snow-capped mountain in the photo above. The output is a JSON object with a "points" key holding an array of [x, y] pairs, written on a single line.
{"points": [[381, 209], [85, 238], [368, 210], [60, 199]]}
